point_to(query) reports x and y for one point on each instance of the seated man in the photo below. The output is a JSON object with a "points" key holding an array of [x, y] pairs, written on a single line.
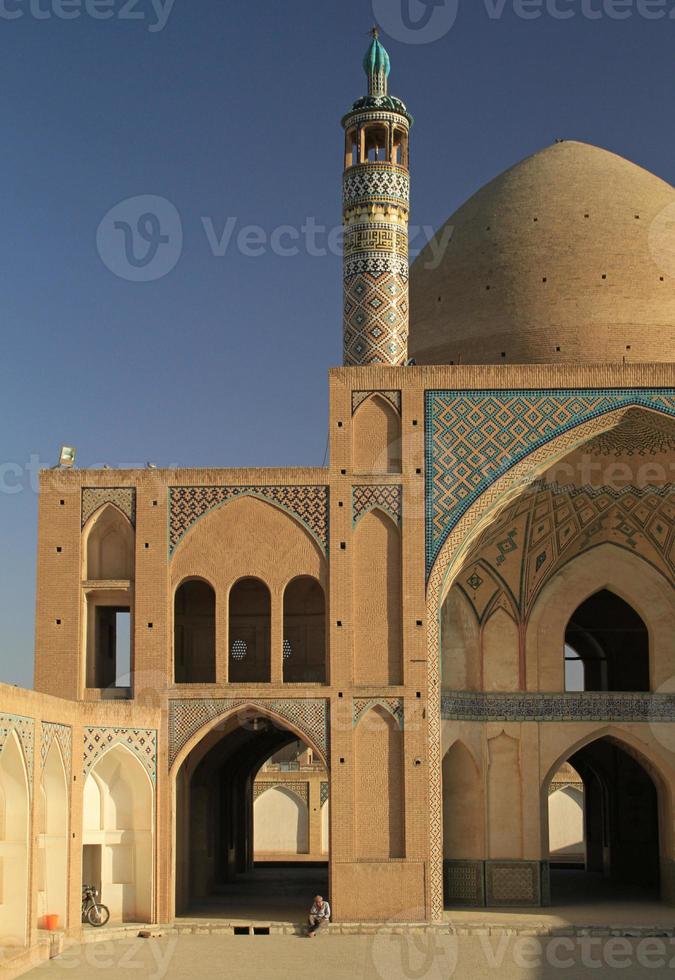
{"points": [[319, 916]]}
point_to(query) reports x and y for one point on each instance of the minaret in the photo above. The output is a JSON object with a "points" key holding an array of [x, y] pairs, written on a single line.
{"points": [[376, 207]]}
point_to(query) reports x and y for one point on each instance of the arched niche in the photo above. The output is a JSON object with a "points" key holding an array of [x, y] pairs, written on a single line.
{"points": [[118, 835], [280, 823], [53, 837], [14, 848], [463, 806], [249, 632], [379, 816], [304, 644], [377, 591], [194, 631], [108, 546], [376, 434]]}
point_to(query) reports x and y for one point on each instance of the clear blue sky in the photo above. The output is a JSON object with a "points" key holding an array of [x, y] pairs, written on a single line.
{"points": [[233, 110]]}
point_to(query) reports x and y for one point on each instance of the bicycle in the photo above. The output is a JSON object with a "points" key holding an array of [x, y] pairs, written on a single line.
{"points": [[93, 911]]}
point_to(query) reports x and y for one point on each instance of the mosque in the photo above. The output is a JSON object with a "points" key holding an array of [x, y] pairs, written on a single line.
{"points": [[438, 671]]}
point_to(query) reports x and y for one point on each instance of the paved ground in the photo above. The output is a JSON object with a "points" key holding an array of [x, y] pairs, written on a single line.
{"points": [[378, 957]]}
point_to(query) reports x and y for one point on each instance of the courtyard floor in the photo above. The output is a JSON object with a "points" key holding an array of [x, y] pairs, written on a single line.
{"points": [[377, 957]]}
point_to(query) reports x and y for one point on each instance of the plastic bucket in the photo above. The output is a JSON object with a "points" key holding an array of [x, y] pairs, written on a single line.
{"points": [[52, 922]]}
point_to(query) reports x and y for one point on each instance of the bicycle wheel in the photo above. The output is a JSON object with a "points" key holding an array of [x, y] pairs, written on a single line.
{"points": [[98, 915]]}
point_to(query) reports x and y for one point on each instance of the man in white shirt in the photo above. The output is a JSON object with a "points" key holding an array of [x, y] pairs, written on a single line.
{"points": [[319, 916]]}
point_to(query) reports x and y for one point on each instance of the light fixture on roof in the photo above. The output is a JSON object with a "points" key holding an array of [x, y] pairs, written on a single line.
{"points": [[67, 457]]}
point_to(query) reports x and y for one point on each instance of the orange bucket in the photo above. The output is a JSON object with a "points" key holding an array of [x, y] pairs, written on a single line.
{"points": [[51, 922]]}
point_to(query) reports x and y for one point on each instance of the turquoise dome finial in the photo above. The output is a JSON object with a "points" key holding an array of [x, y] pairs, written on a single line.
{"points": [[377, 66]]}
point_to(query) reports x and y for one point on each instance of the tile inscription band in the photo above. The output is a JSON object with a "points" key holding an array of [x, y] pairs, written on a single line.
{"points": [[615, 707]]}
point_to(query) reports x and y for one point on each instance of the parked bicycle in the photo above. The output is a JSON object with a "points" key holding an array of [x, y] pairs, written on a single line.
{"points": [[93, 911]]}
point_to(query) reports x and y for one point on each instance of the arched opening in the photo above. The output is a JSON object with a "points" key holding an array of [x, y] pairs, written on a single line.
{"points": [[53, 837], [400, 155], [376, 143], [117, 835], [248, 821], [194, 631], [351, 148], [602, 810], [13, 844], [304, 650], [606, 646], [249, 632], [109, 557]]}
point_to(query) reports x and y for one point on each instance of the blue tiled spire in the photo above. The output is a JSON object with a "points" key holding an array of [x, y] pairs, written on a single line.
{"points": [[377, 66]]}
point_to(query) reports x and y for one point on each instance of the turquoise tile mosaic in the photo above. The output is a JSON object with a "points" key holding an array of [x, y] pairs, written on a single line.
{"points": [[474, 437]]}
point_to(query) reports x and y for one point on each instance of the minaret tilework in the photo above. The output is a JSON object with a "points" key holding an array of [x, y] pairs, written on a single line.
{"points": [[376, 201]]}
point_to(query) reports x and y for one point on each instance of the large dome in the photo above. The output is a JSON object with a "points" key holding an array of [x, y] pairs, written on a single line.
{"points": [[568, 256]]}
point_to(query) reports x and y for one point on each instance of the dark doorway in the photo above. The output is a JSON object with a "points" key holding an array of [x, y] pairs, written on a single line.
{"points": [[621, 825], [215, 868], [606, 646]]}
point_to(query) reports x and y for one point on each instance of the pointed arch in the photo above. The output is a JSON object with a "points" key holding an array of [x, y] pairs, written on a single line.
{"points": [[280, 822], [194, 631], [108, 541], [376, 436], [14, 845], [463, 805], [627, 575], [119, 856], [53, 836], [304, 631]]}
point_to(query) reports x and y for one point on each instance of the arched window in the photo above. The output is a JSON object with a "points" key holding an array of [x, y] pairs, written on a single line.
{"points": [[304, 632], [606, 647], [194, 631], [249, 634], [377, 143]]}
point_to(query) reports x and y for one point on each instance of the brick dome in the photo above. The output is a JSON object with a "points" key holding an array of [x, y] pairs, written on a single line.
{"points": [[568, 256]]}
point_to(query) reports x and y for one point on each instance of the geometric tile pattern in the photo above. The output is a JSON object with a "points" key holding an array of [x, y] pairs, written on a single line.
{"points": [[386, 498], [324, 792], [375, 264], [376, 313], [602, 706], [122, 497], [393, 705], [512, 883], [141, 742], [309, 716], [474, 437], [63, 734], [308, 504], [25, 730], [464, 882], [393, 397], [532, 538], [301, 790], [380, 181]]}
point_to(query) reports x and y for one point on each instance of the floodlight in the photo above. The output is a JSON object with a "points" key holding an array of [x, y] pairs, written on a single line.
{"points": [[67, 457]]}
